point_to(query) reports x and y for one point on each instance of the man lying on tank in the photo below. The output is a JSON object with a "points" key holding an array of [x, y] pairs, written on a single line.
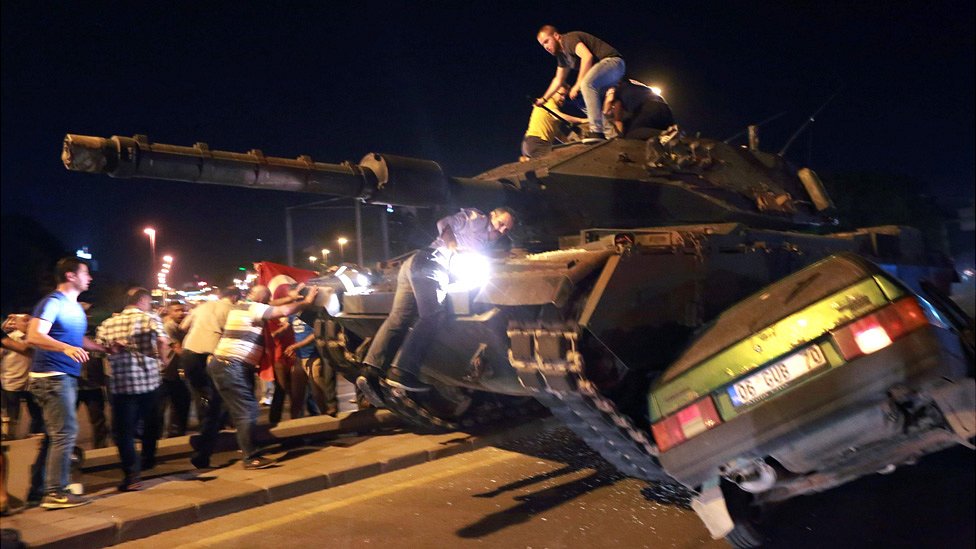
{"points": [[420, 295], [548, 125], [637, 112]]}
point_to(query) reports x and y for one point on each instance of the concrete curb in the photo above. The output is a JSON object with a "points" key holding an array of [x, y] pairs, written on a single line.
{"points": [[307, 428], [181, 499]]}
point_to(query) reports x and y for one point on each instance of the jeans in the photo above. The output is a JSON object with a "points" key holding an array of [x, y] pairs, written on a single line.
{"points": [[535, 147], [11, 405], [94, 400], [419, 295], [323, 385], [211, 417], [57, 397], [235, 383], [594, 84], [127, 411], [177, 395]]}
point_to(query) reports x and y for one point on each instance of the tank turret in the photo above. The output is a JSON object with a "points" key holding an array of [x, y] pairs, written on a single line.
{"points": [[668, 179]]}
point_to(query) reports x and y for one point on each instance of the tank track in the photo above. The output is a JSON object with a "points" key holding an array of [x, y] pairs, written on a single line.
{"points": [[548, 364], [442, 410], [482, 408]]}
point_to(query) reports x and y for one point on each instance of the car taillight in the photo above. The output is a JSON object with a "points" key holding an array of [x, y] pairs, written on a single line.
{"points": [[878, 329], [688, 422]]}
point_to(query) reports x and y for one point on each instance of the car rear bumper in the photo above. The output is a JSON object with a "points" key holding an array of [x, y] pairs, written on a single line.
{"points": [[817, 422]]}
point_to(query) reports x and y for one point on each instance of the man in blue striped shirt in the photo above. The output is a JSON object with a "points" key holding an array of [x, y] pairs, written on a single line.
{"points": [[233, 365]]}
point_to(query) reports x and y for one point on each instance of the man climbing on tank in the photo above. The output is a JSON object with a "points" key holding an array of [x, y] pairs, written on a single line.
{"points": [[547, 125], [420, 293], [599, 66], [636, 111]]}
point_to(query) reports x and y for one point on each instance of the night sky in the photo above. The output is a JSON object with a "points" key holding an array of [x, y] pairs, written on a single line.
{"points": [[447, 81]]}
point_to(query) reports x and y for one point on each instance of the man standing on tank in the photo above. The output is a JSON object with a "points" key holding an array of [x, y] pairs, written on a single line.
{"points": [[57, 333], [599, 66], [420, 294]]}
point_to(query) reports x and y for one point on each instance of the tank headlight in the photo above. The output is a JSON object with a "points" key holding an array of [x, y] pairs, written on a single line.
{"points": [[469, 270]]}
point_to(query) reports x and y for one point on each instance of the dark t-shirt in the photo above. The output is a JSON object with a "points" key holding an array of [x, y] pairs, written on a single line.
{"points": [[567, 57], [632, 95]]}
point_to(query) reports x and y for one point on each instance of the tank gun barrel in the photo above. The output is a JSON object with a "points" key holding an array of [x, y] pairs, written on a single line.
{"points": [[382, 179]]}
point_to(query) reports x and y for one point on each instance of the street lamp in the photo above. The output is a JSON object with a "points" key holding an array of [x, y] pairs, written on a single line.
{"points": [[162, 274], [152, 248], [325, 257], [342, 248], [312, 258]]}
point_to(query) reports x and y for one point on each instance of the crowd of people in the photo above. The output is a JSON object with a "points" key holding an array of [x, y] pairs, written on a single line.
{"points": [[152, 364]]}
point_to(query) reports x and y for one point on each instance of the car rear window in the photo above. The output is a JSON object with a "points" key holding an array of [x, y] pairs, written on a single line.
{"points": [[774, 303]]}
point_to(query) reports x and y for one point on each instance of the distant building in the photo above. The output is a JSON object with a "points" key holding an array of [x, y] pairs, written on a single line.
{"points": [[83, 253]]}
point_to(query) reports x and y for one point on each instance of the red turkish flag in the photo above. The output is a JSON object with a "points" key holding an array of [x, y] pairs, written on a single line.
{"points": [[276, 276], [268, 270]]}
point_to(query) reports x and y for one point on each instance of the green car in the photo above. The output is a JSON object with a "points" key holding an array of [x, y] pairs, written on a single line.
{"points": [[832, 373]]}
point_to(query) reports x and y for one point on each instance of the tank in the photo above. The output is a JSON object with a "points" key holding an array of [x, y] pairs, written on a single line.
{"points": [[626, 248]]}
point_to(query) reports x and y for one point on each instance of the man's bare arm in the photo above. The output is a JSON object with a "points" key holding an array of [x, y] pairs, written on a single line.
{"points": [[37, 336], [187, 322], [450, 241], [553, 86], [278, 311], [290, 350], [586, 63], [90, 345], [15, 346], [162, 344]]}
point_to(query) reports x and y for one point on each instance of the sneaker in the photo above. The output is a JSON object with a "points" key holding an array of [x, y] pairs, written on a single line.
{"points": [[258, 463], [590, 137], [266, 401], [371, 390], [63, 500], [407, 381]]}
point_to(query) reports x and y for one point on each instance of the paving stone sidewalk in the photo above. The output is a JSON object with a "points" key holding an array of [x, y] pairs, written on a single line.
{"points": [[315, 454]]}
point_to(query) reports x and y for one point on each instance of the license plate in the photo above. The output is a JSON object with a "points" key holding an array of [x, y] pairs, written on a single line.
{"points": [[773, 378]]}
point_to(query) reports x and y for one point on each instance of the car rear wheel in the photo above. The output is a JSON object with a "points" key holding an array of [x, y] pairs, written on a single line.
{"points": [[746, 517]]}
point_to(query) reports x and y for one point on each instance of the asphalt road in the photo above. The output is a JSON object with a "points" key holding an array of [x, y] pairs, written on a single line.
{"points": [[549, 490]]}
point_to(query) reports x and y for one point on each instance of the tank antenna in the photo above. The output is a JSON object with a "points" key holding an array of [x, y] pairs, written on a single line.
{"points": [[759, 125], [805, 124]]}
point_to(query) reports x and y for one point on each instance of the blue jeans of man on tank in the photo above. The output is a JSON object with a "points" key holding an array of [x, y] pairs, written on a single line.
{"points": [[419, 295], [594, 85], [127, 410], [234, 381], [57, 396]]}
